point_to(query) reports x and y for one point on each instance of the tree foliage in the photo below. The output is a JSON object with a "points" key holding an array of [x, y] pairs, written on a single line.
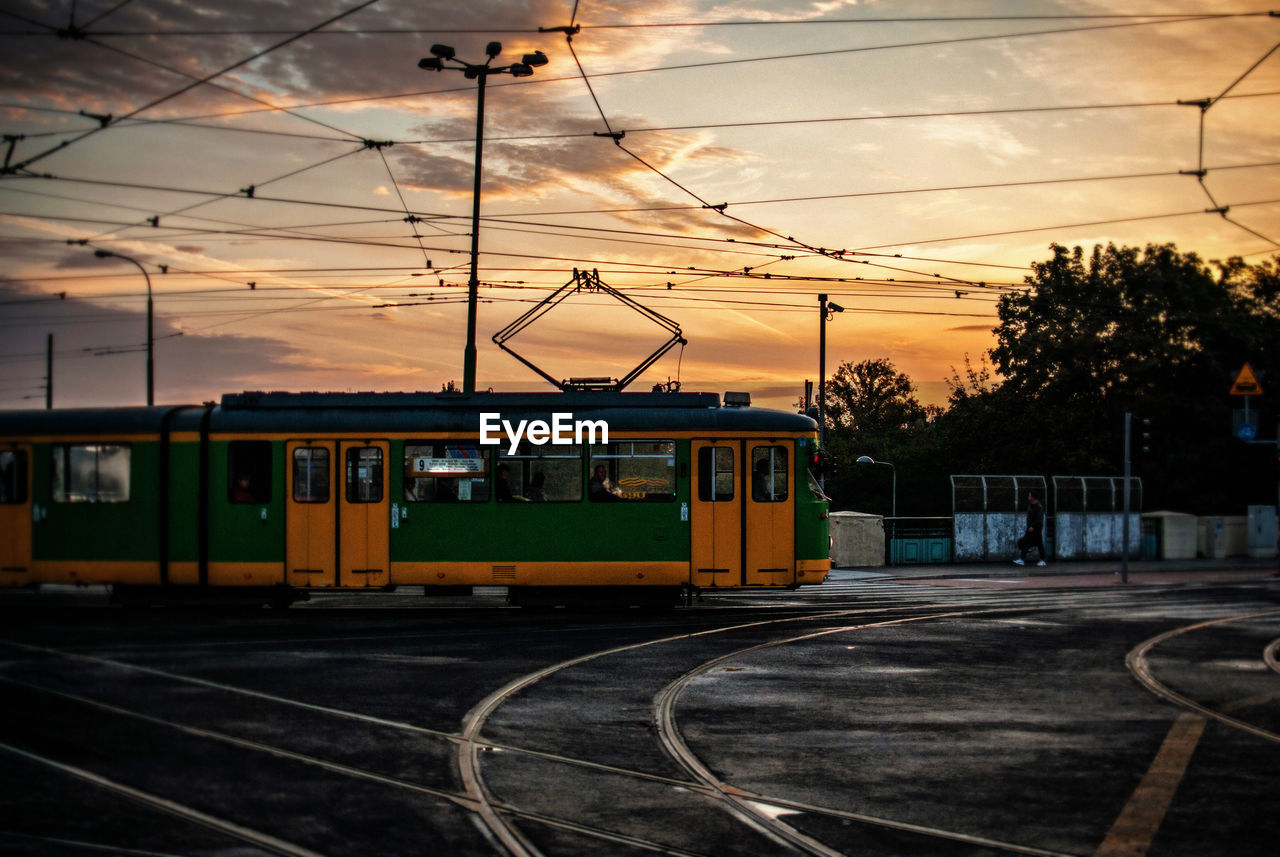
{"points": [[873, 411], [1153, 331]]}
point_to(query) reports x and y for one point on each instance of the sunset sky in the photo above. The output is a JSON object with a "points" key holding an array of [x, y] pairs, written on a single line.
{"points": [[310, 186]]}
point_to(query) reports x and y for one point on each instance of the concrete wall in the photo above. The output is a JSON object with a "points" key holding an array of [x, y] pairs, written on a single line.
{"points": [[987, 535], [1095, 535], [857, 540]]}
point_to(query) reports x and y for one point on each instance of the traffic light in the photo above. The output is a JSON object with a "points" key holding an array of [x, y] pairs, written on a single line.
{"points": [[1145, 440], [822, 462]]}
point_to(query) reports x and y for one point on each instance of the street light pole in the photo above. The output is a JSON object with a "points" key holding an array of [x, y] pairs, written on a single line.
{"points": [[479, 73], [107, 254], [893, 503], [473, 284]]}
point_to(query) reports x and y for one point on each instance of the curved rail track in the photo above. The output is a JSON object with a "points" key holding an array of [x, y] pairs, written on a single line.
{"points": [[675, 656]]}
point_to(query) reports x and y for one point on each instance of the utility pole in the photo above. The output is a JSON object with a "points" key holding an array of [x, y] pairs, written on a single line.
{"points": [[48, 372], [825, 311], [1124, 527]]}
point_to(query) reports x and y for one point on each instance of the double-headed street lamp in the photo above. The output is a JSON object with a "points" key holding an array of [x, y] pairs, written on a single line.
{"points": [[151, 377], [479, 73]]}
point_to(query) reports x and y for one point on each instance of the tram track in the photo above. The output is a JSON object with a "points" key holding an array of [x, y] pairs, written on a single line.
{"points": [[746, 805], [1138, 663], [277, 845], [476, 797], [499, 817], [742, 805]]}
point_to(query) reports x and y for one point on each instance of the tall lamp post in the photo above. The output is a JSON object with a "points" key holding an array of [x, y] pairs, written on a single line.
{"points": [[479, 73], [893, 510], [825, 311], [151, 377]]}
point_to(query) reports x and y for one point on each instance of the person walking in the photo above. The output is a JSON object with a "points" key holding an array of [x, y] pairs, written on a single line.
{"points": [[1034, 537]]}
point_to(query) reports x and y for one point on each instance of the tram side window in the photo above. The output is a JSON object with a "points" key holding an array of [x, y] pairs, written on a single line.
{"points": [[249, 471], [715, 474], [364, 475], [13, 476], [90, 472], [445, 472], [769, 474], [311, 474], [636, 470], [544, 473]]}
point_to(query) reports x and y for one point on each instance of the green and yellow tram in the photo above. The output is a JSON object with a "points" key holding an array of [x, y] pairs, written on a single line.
{"points": [[277, 494]]}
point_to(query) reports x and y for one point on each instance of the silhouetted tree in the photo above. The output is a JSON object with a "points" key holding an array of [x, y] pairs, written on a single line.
{"points": [[1156, 332], [872, 410], [872, 398]]}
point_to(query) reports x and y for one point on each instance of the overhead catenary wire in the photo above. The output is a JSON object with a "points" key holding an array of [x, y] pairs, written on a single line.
{"points": [[1152, 17], [27, 162], [780, 244], [543, 80]]}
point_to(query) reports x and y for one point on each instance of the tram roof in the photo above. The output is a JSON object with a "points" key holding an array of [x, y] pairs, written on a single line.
{"points": [[409, 412]]}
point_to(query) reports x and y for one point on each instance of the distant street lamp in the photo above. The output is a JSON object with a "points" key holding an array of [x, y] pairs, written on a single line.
{"points": [[479, 73], [866, 459], [107, 254], [825, 310]]}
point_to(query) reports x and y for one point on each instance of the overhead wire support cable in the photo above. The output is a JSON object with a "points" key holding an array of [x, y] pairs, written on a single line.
{"points": [[1200, 173], [686, 66], [158, 101], [1154, 17], [192, 120], [251, 195], [231, 90], [719, 208], [410, 218]]}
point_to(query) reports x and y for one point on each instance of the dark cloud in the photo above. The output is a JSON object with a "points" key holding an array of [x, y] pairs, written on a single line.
{"points": [[99, 355], [109, 69]]}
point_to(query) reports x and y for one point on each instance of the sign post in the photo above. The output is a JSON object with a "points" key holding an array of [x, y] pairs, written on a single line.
{"points": [[1246, 385]]}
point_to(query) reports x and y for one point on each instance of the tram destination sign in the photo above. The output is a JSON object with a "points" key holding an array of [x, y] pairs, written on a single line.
{"points": [[427, 466], [562, 430]]}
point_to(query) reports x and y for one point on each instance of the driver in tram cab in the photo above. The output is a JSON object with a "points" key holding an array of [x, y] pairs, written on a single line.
{"points": [[602, 488], [503, 484]]}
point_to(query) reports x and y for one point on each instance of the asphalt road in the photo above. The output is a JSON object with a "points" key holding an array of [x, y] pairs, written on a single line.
{"points": [[955, 712]]}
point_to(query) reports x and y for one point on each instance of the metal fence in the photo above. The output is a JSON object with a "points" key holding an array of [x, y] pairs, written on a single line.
{"points": [[1089, 517], [1087, 520], [989, 514], [917, 541]]}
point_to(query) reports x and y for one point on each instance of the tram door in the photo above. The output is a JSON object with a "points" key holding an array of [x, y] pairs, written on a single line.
{"points": [[364, 516], [338, 518], [715, 518], [310, 519], [770, 515], [742, 514], [15, 514]]}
